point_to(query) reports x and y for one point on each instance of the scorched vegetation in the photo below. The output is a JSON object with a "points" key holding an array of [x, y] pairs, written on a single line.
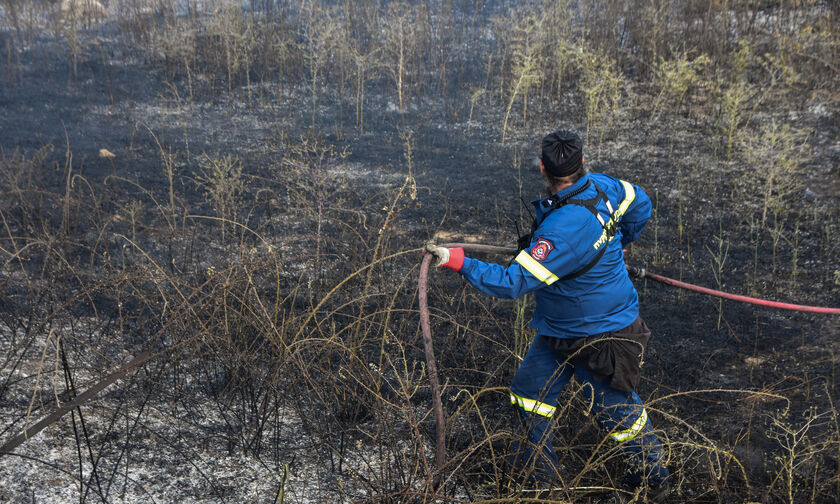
{"points": [[237, 193]]}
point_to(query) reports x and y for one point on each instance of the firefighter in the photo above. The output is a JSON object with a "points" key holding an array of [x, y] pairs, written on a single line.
{"points": [[586, 316]]}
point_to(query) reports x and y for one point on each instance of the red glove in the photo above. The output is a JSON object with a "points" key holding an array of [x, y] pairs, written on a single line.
{"points": [[452, 258]]}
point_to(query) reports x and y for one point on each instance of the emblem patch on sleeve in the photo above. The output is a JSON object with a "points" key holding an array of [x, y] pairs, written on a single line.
{"points": [[541, 249]]}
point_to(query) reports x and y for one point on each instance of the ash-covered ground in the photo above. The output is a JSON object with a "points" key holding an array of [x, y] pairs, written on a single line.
{"points": [[279, 290]]}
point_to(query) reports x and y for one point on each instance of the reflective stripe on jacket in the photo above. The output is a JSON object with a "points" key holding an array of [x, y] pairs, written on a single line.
{"points": [[566, 240]]}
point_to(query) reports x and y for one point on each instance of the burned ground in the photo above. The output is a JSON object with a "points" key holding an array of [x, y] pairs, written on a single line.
{"points": [[263, 242]]}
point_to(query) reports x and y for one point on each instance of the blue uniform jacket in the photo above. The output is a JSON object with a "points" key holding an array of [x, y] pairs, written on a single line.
{"points": [[566, 240]]}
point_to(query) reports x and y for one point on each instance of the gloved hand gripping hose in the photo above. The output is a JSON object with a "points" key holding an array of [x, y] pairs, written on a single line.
{"points": [[440, 443]]}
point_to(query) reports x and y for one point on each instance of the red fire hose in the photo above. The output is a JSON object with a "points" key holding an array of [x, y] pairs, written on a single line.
{"points": [[440, 442], [641, 273]]}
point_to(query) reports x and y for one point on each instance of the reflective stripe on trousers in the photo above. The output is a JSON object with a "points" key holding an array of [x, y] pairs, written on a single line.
{"points": [[634, 430], [532, 406]]}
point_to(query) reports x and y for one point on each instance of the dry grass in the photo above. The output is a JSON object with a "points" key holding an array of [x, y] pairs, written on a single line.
{"points": [[282, 305]]}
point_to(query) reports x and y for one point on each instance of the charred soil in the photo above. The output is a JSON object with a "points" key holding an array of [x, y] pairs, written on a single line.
{"points": [[258, 224]]}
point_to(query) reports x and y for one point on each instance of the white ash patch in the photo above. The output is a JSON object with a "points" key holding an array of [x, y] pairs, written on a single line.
{"points": [[168, 452]]}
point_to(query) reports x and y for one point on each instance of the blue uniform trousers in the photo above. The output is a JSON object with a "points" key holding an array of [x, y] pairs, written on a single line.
{"points": [[534, 394]]}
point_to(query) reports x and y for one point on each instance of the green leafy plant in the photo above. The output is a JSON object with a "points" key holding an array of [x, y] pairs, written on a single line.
{"points": [[527, 63], [674, 78], [776, 153], [777, 232], [719, 253], [738, 94], [603, 85]]}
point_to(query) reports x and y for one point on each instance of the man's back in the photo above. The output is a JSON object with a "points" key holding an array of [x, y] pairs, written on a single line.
{"points": [[603, 298]]}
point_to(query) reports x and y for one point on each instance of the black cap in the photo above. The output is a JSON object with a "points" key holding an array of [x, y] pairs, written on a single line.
{"points": [[562, 153]]}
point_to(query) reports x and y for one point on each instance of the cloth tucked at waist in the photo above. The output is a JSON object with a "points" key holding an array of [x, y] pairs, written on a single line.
{"points": [[614, 357]]}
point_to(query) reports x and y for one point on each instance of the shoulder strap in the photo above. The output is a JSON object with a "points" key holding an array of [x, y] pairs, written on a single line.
{"points": [[567, 198], [587, 267], [609, 226], [525, 240], [590, 203]]}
